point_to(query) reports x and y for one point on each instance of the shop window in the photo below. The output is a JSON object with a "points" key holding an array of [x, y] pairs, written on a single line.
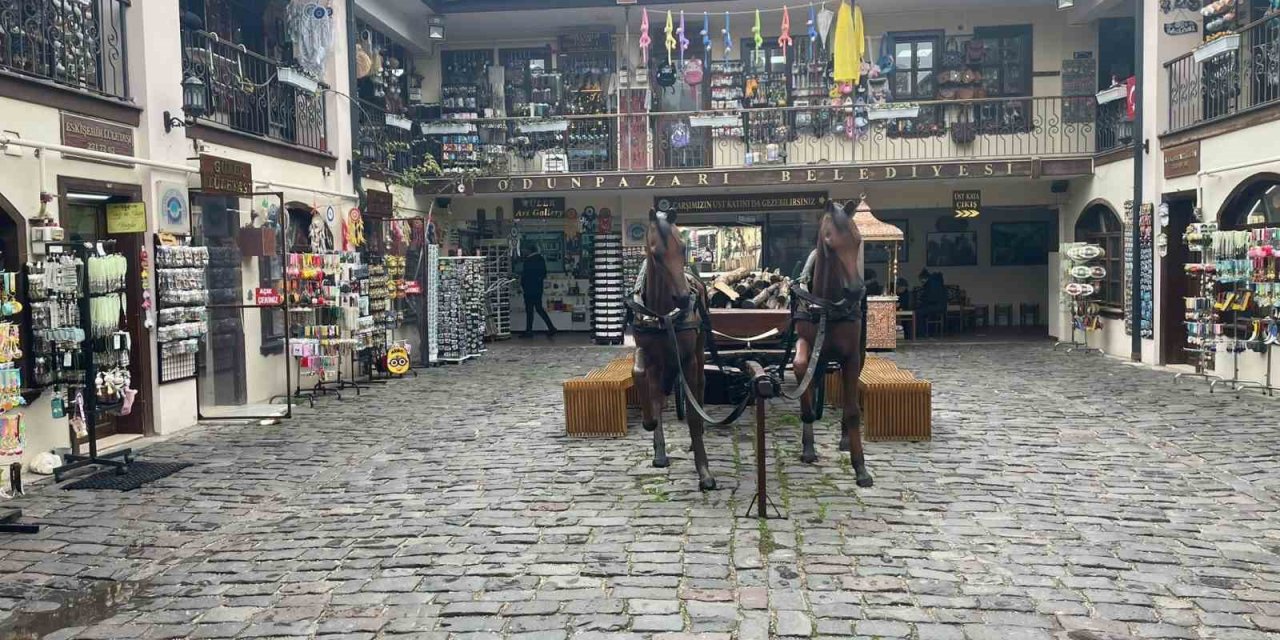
{"points": [[1006, 60], [1101, 226], [1256, 205], [915, 57]]}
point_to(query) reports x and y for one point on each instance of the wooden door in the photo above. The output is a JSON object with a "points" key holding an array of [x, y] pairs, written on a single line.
{"points": [[1176, 285]]}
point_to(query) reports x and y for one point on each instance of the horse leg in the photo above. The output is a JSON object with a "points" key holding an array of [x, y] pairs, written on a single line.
{"points": [[850, 423], [808, 415], [648, 377], [693, 373]]}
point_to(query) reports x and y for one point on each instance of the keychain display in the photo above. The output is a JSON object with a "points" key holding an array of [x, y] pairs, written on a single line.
{"points": [[182, 293], [12, 427]]}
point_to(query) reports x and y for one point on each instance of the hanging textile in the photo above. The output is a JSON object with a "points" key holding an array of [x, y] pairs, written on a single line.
{"points": [[859, 40], [728, 36], [848, 69], [759, 39], [785, 39], [645, 40], [671, 39], [312, 30]]}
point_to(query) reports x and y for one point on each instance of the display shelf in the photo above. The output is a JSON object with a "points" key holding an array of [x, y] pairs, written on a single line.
{"points": [[608, 287], [461, 299], [182, 296], [497, 259]]}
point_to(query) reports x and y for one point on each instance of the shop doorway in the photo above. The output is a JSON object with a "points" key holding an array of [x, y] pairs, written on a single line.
{"points": [[1175, 286], [243, 365], [83, 206]]}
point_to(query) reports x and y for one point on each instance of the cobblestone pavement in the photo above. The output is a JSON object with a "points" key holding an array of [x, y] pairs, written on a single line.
{"points": [[1061, 493]]}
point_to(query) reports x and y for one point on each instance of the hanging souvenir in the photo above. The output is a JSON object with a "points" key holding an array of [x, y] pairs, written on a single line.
{"points": [[825, 18], [728, 36], [847, 62], [312, 30], [755, 31], [671, 39], [680, 135], [355, 229], [706, 33], [645, 40], [684, 42], [812, 25], [785, 40]]}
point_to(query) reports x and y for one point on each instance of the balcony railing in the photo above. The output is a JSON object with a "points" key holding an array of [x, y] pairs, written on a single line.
{"points": [[976, 130], [398, 147], [1115, 129], [246, 95], [75, 43], [1235, 81]]}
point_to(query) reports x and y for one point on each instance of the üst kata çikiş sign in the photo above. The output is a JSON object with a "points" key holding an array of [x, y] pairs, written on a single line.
{"points": [[629, 181]]}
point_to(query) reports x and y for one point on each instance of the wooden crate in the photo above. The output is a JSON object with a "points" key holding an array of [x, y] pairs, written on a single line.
{"points": [[895, 405], [596, 405]]}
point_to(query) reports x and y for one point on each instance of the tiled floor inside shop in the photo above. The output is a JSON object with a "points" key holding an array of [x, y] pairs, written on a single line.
{"points": [[1060, 493]]}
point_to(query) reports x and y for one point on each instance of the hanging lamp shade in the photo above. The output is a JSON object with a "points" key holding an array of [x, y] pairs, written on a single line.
{"points": [[873, 229]]}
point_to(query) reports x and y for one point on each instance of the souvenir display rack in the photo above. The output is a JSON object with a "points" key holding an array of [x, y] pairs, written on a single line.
{"points": [[12, 427], [1200, 316], [586, 77], [1245, 268], [329, 319], [81, 343], [607, 290], [1083, 277], [182, 293], [432, 304], [497, 264], [766, 83], [461, 322]]}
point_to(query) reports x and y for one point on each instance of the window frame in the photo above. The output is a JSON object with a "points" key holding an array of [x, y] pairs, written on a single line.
{"points": [[934, 37], [1101, 226]]}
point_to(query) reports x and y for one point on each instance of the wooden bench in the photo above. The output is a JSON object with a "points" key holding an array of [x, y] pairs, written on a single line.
{"points": [[895, 404], [595, 405]]}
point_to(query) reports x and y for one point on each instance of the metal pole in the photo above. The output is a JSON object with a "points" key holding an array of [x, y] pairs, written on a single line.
{"points": [[353, 105], [762, 499], [1139, 154]]}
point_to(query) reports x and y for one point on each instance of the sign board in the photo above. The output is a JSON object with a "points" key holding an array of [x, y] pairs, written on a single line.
{"points": [[175, 211], [95, 135], [267, 298], [729, 178], [220, 175], [127, 217], [742, 203], [378, 203], [1180, 27], [580, 41], [397, 361], [1182, 160], [538, 208], [412, 287], [967, 203]]}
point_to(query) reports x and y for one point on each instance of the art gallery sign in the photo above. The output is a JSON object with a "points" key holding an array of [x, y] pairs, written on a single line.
{"points": [[762, 177]]}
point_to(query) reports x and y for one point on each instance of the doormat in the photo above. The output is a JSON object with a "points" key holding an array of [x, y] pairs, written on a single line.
{"points": [[139, 473]]}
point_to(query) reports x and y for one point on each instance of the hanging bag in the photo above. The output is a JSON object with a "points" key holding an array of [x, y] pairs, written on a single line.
{"points": [[963, 131]]}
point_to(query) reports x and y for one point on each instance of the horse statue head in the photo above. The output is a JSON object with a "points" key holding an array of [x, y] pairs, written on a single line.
{"points": [[665, 285], [838, 268]]}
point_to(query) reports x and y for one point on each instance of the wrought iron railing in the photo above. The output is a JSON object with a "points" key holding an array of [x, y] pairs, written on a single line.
{"points": [[74, 43], [994, 128], [244, 92], [1238, 79], [396, 146], [1115, 128]]}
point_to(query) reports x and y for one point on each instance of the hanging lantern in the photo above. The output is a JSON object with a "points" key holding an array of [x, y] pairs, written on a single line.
{"points": [[194, 98]]}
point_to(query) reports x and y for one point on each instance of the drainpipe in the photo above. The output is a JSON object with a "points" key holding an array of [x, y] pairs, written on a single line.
{"points": [[357, 162], [1139, 154]]}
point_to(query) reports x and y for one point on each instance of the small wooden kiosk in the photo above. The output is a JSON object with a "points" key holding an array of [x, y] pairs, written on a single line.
{"points": [[882, 311]]}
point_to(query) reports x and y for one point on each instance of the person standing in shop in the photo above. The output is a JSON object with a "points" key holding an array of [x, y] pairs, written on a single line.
{"points": [[533, 276]]}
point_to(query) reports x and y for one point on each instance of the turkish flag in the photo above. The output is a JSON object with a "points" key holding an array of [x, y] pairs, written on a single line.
{"points": [[1131, 103]]}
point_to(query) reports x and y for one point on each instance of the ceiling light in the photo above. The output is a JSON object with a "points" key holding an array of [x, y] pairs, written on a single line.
{"points": [[1066, 4], [88, 197]]}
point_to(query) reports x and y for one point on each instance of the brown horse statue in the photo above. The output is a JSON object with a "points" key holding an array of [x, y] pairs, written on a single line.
{"points": [[832, 285], [667, 299]]}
